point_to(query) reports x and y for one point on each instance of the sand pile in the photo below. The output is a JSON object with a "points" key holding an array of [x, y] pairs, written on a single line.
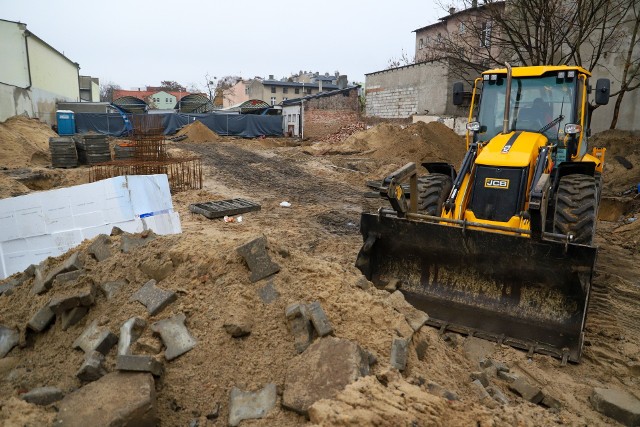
{"points": [[198, 132], [622, 161], [24, 142]]}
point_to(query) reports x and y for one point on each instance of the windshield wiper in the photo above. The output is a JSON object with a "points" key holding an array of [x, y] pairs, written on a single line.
{"points": [[551, 124]]}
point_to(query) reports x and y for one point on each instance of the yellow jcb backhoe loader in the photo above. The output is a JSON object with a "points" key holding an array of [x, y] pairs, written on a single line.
{"points": [[501, 249]]}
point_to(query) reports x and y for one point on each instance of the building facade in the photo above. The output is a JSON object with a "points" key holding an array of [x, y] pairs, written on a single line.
{"points": [[155, 99], [275, 91], [89, 89], [34, 75]]}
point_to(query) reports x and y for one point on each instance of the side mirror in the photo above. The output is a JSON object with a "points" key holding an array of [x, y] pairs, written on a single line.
{"points": [[458, 93], [603, 88]]}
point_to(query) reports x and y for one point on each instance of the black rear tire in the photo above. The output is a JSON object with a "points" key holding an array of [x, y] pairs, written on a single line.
{"points": [[576, 208], [433, 190]]}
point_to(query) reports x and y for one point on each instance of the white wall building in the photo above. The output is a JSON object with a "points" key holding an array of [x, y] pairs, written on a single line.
{"points": [[33, 75]]}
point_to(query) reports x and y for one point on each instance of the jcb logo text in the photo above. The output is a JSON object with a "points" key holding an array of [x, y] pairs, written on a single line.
{"points": [[502, 184]]}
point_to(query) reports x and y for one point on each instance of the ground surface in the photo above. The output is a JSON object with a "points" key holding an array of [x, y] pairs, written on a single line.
{"points": [[315, 241]]}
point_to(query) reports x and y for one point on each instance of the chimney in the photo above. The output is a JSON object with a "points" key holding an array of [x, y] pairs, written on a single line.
{"points": [[342, 81], [320, 85], [452, 10], [270, 76]]}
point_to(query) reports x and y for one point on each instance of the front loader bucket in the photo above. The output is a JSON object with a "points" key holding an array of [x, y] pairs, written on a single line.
{"points": [[515, 290]]}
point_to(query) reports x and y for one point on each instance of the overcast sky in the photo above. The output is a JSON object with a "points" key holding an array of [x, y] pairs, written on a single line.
{"points": [[141, 42]]}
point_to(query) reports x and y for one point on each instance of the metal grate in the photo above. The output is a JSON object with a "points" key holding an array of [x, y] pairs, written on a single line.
{"points": [[221, 208]]}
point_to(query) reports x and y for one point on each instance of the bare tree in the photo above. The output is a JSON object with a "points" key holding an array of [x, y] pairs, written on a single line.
{"points": [[403, 60], [171, 86], [106, 91]]}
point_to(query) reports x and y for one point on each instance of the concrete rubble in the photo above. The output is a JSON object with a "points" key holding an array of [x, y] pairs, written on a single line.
{"points": [[110, 289], [617, 404], [81, 298], [153, 297], [322, 370], [41, 319], [251, 405], [43, 396], [9, 338], [44, 279], [300, 326], [415, 318], [319, 319], [19, 279], [100, 248], [117, 399], [257, 258], [96, 338], [399, 349], [528, 391], [92, 368], [131, 242], [72, 317], [139, 363], [130, 331], [175, 336]]}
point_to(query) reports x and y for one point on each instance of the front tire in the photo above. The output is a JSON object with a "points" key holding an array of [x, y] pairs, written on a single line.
{"points": [[576, 208], [433, 190]]}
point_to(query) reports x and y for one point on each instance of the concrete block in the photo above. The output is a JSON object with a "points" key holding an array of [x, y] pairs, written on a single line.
{"points": [[8, 285], [41, 319], [175, 336], [43, 396], [506, 376], [268, 293], [257, 258], [109, 289], [70, 276], [100, 248], [300, 326], [43, 281], [95, 338], [153, 297], [323, 370], [550, 401], [251, 405], [72, 317], [497, 395], [399, 349], [147, 345], [438, 390], [117, 399], [139, 363], [319, 319], [480, 376], [92, 368], [9, 338], [482, 394], [617, 404], [528, 392], [81, 298], [130, 242], [130, 331]]}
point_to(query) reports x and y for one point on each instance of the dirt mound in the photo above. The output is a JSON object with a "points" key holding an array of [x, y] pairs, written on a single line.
{"points": [[24, 142], [622, 161], [198, 132]]}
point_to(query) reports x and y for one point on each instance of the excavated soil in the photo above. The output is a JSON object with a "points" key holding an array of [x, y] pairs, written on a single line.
{"points": [[622, 160], [198, 132], [315, 242]]}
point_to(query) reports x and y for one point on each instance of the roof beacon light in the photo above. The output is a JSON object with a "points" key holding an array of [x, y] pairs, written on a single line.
{"points": [[485, 77], [561, 75], [571, 74], [494, 77]]}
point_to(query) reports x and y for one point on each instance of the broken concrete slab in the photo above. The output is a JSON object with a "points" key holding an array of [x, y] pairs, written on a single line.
{"points": [[300, 326], [399, 350], [414, 317], [117, 399], [82, 298], [251, 405], [100, 248], [268, 293], [617, 404], [153, 297], [257, 258], [324, 369], [139, 363], [92, 368], [96, 338], [157, 268], [43, 396], [129, 242], [528, 392], [44, 280], [319, 319], [238, 326], [130, 331], [41, 319], [70, 276], [109, 289], [72, 317], [175, 336], [10, 284], [9, 338]]}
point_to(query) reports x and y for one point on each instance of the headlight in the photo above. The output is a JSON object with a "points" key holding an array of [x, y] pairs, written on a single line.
{"points": [[473, 126], [571, 129]]}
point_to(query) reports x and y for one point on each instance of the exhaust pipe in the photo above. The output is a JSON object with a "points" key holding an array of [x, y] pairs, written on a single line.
{"points": [[507, 99]]}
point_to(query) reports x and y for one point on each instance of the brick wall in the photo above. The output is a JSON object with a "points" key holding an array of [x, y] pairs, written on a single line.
{"points": [[326, 115]]}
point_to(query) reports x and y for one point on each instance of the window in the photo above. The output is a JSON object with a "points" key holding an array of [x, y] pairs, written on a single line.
{"points": [[297, 90], [166, 100], [273, 89], [485, 34], [246, 91], [421, 44], [308, 91], [461, 28], [273, 100], [285, 90]]}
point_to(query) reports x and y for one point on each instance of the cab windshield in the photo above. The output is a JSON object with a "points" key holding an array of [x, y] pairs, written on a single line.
{"points": [[538, 104]]}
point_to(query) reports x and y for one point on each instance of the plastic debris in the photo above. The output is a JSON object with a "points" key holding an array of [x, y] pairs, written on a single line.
{"points": [[285, 204]]}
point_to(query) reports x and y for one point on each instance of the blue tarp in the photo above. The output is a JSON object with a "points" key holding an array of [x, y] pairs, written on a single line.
{"points": [[243, 125]]}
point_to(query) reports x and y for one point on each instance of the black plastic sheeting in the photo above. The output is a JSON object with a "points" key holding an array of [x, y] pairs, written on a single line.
{"points": [[243, 125]]}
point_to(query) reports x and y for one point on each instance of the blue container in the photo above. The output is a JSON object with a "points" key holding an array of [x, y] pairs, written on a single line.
{"points": [[66, 122]]}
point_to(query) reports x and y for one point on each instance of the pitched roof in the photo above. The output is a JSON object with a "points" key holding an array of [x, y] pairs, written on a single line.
{"points": [[444, 19], [296, 84]]}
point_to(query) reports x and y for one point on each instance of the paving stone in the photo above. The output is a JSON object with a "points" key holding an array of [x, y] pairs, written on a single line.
{"points": [[480, 376], [251, 405], [497, 395], [506, 376], [148, 345], [41, 319], [414, 317], [319, 319], [96, 338], [44, 280], [268, 293], [100, 248], [482, 394], [109, 289], [70, 276], [324, 369], [399, 349], [153, 297], [617, 404], [92, 368], [175, 336], [300, 326], [9, 338], [238, 326], [139, 363], [43, 396], [82, 298], [72, 317], [10, 284], [130, 242], [438, 390], [528, 392], [117, 399], [550, 401], [130, 331], [157, 268], [257, 258]]}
